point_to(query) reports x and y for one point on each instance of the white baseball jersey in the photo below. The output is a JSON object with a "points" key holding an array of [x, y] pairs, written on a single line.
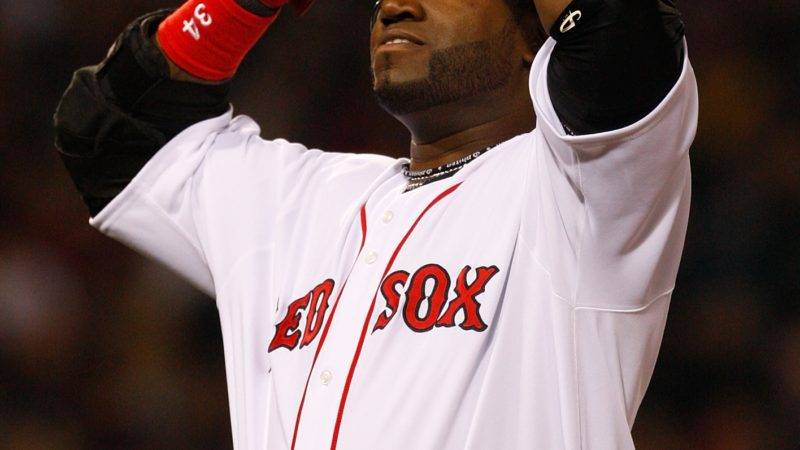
{"points": [[519, 304]]}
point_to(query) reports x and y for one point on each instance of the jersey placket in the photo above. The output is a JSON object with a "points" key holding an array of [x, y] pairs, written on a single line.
{"points": [[390, 225]]}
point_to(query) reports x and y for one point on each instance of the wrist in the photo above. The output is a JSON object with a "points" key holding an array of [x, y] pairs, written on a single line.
{"points": [[208, 39], [175, 72]]}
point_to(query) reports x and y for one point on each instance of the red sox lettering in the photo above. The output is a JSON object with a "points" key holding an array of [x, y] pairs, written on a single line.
{"points": [[441, 311], [315, 304], [466, 298]]}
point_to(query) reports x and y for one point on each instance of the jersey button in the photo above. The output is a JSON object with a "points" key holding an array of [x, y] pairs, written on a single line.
{"points": [[371, 257], [326, 376], [387, 217]]}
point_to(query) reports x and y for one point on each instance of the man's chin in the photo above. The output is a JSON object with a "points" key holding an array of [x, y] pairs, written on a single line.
{"points": [[392, 77], [403, 98]]}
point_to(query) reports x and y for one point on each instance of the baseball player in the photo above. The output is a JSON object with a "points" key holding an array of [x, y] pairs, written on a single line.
{"points": [[504, 287]]}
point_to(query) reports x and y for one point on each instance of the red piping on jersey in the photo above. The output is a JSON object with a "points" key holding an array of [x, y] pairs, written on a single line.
{"points": [[328, 325], [365, 327]]}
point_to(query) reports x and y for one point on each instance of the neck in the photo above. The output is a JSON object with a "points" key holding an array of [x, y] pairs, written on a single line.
{"points": [[449, 132], [468, 141]]}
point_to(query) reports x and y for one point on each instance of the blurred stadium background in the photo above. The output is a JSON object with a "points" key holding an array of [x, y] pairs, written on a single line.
{"points": [[100, 349]]}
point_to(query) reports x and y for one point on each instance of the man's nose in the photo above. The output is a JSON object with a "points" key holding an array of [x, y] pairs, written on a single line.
{"points": [[394, 11]]}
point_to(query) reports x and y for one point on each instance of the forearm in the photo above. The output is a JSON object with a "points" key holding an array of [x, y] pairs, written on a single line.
{"points": [[614, 61], [139, 80], [115, 116]]}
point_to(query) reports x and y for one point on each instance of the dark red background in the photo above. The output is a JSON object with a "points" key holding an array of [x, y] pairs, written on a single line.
{"points": [[100, 349]]}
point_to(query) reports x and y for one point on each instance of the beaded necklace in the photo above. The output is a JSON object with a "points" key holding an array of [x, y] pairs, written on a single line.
{"points": [[419, 178]]}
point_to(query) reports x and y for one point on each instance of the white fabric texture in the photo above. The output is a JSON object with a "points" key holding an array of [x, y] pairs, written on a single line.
{"points": [[517, 305]]}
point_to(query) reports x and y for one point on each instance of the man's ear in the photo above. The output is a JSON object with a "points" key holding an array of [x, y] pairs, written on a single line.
{"points": [[534, 37], [527, 53], [527, 58]]}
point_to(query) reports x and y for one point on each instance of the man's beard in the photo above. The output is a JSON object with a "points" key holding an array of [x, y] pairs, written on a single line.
{"points": [[454, 74]]}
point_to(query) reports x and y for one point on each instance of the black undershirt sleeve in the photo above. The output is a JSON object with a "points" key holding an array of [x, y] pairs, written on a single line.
{"points": [[614, 61], [115, 116]]}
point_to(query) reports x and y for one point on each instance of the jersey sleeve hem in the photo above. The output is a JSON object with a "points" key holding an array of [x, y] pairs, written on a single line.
{"points": [[167, 242], [548, 119], [136, 218], [588, 306]]}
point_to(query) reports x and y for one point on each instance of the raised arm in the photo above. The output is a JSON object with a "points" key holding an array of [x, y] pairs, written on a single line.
{"points": [[617, 104], [116, 115], [615, 60]]}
